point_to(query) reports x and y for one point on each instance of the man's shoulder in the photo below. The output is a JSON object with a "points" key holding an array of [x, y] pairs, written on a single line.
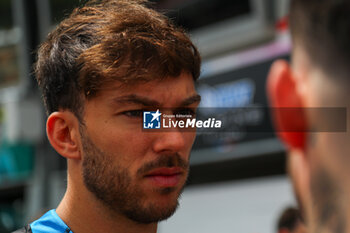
{"points": [[25, 229], [48, 223]]}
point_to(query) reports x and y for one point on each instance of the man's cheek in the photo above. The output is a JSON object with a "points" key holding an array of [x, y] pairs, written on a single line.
{"points": [[191, 138]]}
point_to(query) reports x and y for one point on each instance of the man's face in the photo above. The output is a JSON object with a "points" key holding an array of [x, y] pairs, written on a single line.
{"points": [[132, 172]]}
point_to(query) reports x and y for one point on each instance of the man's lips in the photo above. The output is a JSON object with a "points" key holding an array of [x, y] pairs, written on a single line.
{"points": [[165, 177]]}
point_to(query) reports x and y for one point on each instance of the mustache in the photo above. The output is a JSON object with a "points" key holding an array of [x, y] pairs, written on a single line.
{"points": [[171, 160]]}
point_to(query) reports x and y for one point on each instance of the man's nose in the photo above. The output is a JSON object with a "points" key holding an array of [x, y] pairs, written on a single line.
{"points": [[169, 141]]}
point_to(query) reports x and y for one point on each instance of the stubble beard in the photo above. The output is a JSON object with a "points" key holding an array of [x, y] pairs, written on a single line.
{"points": [[112, 185]]}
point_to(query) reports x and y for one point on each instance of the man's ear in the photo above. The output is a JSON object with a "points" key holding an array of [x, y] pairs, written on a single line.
{"points": [[286, 104], [62, 130]]}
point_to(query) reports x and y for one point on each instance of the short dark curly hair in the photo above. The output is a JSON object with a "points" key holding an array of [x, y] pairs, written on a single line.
{"points": [[108, 40]]}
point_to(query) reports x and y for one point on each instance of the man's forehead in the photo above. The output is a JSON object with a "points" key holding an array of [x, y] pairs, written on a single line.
{"points": [[142, 84], [152, 93]]}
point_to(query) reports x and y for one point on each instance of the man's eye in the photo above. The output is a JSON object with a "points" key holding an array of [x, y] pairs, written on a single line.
{"points": [[133, 113]]}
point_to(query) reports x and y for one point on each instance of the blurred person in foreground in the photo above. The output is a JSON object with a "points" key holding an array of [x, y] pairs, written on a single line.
{"points": [[290, 221], [98, 71], [317, 77]]}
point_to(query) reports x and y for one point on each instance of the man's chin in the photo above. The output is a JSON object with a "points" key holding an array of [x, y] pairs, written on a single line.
{"points": [[169, 191], [155, 212], [163, 197]]}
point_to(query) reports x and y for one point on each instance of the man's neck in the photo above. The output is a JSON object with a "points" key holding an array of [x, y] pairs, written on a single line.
{"points": [[83, 213]]}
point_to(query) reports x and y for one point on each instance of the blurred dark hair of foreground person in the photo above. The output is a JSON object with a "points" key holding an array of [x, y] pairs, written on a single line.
{"points": [[290, 221]]}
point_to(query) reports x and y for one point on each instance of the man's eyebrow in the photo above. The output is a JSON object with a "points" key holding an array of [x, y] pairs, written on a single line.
{"points": [[135, 99], [193, 99]]}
